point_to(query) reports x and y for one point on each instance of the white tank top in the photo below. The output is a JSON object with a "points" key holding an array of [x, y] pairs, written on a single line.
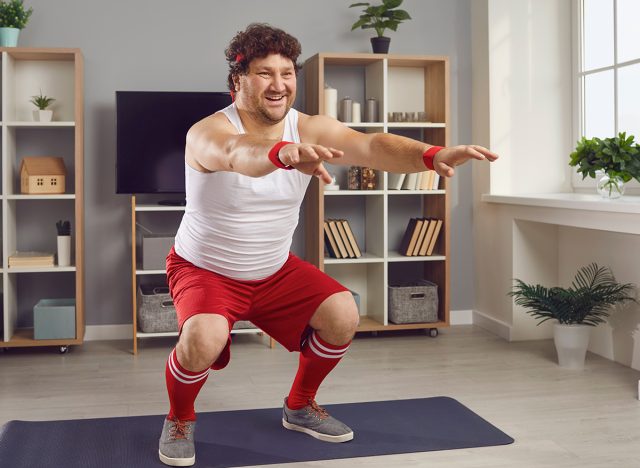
{"points": [[240, 226]]}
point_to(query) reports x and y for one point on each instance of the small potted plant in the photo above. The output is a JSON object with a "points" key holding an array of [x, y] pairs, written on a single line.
{"points": [[576, 309], [380, 17], [615, 161], [13, 18], [42, 102]]}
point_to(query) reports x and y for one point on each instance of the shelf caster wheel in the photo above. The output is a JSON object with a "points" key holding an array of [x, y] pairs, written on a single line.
{"points": [[64, 349], [433, 332]]}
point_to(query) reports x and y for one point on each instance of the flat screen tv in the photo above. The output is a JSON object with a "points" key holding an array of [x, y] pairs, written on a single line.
{"points": [[151, 128]]}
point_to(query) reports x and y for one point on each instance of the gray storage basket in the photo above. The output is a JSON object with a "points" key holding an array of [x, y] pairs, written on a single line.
{"points": [[156, 313], [414, 303]]}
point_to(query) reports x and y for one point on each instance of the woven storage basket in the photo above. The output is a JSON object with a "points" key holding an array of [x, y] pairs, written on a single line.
{"points": [[156, 312], [413, 303]]}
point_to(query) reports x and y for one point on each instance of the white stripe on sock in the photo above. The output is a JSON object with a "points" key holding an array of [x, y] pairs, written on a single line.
{"points": [[181, 376], [312, 346], [316, 342]]}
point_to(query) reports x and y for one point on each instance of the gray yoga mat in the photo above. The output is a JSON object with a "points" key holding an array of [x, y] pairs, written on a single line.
{"points": [[249, 437]]}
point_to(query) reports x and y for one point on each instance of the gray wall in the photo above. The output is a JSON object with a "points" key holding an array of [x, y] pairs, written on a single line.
{"points": [[169, 45]]}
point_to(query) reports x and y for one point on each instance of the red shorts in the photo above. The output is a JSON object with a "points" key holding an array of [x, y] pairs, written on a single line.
{"points": [[281, 305]]}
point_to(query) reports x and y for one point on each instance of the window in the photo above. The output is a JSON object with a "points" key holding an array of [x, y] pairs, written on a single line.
{"points": [[608, 65]]}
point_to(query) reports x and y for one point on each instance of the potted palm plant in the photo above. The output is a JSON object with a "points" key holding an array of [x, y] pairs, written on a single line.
{"points": [[615, 161], [576, 309], [42, 102], [13, 18], [380, 17]]}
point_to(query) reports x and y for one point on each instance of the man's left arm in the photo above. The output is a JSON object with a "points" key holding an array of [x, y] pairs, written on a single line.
{"points": [[388, 152]]}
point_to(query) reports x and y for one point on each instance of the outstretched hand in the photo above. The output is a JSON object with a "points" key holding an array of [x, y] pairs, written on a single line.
{"points": [[308, 158], [448, 158]]}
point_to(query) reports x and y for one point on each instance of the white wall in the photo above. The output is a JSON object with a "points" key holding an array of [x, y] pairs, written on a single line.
{"points": [[523, 110], [178, 46]]}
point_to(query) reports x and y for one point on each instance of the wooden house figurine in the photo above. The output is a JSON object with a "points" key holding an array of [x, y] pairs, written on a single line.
{"points": [[42, 175]]}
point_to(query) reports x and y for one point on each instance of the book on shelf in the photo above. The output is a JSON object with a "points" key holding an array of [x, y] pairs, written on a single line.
{"points": [[434, 237], [352, 238], [406, 238], [345, 239], [410, 181], [427, 237], [31, 259], [420, 240], [338, 238], [330, 242], [395, 180]]}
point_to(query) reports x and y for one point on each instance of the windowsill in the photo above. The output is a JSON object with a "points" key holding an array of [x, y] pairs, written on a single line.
{"points": [[573, 201]]}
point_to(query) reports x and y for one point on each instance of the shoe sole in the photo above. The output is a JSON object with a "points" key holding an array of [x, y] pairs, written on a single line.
{"points": [[176, 461], [324, 437]]}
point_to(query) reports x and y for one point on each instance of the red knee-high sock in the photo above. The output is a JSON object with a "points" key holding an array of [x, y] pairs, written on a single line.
{"points": [[317, 359], [183, 387]]}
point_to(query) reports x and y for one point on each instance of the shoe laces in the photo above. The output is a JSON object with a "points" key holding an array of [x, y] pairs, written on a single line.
{"points": [[180, 429], [317, 410]]}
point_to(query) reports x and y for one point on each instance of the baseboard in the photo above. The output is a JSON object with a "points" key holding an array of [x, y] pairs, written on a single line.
{"points": [[461, 317], [108, 332], [493, 325]]}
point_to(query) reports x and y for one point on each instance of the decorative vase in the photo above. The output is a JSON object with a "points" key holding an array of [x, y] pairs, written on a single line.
{"points": [[380, 45], [64, 251], [9, 37], [610, 187], [571, 344], [42, 115]]}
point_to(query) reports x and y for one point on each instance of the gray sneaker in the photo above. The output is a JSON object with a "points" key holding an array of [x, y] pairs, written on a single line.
{"points": [[315, 421], [176, 443]]}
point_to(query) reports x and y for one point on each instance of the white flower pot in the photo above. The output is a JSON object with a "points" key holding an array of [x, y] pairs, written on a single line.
{"points": [[64, 250], [42, 115], [571, 343]]}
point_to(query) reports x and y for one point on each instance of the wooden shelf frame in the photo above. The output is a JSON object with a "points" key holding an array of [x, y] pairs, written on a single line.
{"points": [[429, 77], [61, 72]]}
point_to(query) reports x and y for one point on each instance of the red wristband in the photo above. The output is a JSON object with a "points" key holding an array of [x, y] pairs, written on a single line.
{"points": [[273, 155], [427, 156]]}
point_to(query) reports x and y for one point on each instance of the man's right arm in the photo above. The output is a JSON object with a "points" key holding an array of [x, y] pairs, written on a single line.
{"points": [[213, 144]]}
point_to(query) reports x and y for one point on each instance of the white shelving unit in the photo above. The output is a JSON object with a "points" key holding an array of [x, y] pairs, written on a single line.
{"points": [[138, 274], [379, 217], [28, 221]]}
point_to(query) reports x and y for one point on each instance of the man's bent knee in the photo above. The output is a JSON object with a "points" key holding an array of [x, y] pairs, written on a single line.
{"points": [[202, 339], [337, 318]]}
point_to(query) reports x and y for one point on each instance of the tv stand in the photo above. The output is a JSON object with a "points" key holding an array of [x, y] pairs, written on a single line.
{"points": [[182, 202]]}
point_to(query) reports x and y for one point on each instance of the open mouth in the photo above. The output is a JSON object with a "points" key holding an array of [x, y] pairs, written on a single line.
{"points": [[277, 98]]}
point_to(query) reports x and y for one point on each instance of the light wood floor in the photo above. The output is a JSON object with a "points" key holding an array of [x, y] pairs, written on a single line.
{"points": [[559, 418]]}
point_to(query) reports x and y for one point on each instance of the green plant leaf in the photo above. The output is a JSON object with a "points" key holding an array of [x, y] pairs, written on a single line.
{"points": [[391, 4]]}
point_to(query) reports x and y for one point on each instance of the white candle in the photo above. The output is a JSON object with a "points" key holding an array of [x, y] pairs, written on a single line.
{"points": [[355, 112], [331, 102]]}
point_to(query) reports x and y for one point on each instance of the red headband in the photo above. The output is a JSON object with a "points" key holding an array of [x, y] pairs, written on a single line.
{"points": [[239, 58]]}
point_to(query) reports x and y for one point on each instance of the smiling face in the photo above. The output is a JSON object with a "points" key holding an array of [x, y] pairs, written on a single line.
{"points": [[268, 90]]}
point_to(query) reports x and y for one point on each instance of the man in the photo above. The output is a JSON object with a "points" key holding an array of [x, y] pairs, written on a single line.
{"points": [[247, 169]]}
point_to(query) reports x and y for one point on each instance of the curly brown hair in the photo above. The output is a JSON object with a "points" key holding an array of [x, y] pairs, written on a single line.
{"points": [[257, 41]]}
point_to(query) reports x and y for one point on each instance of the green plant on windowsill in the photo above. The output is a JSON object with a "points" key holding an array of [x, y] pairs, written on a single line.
{"points": [[617, 157], [13, 14], [593, 291]]}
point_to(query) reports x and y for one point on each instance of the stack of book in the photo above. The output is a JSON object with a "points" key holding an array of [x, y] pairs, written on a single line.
{"points": [[31, 259], [420, 236], [427, 180], [339, 239]]}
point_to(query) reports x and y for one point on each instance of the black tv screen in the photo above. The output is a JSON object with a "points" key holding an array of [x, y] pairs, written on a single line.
{"points": [[151, 128]]}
